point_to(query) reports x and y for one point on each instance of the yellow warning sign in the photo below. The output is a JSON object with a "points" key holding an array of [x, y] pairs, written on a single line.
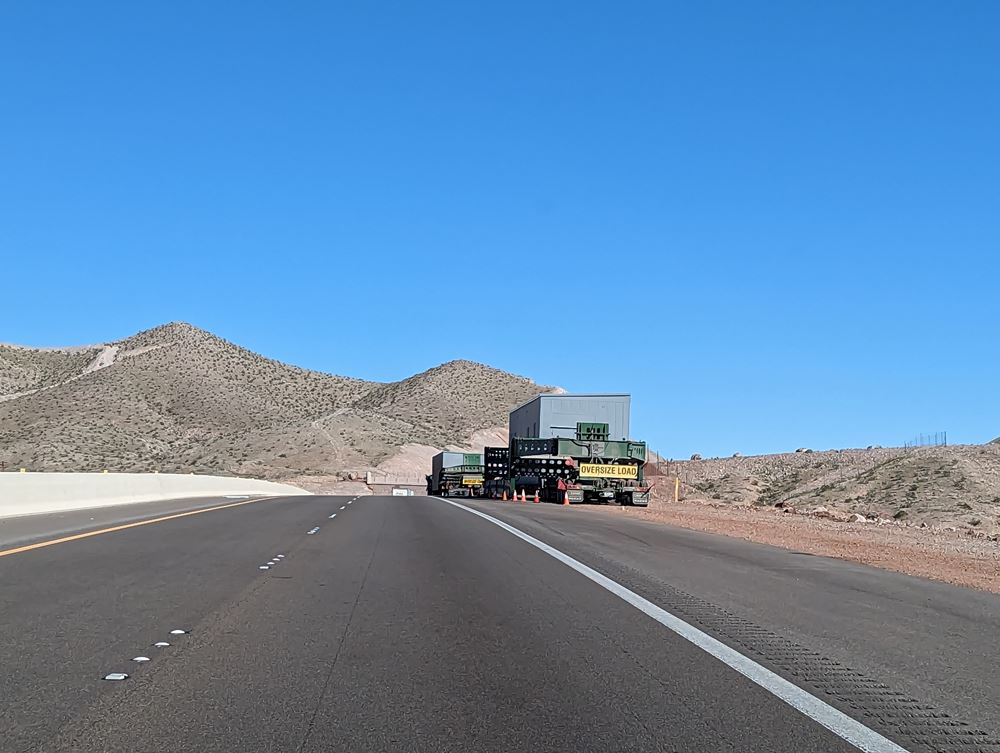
{"points": [[472, 482], [597, 470]]}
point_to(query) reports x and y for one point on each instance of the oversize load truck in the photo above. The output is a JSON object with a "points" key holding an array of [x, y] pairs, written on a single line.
{"points": [[456, 474], [563, 446], [588, 468]]}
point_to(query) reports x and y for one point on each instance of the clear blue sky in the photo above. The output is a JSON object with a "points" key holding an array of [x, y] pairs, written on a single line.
{"points": [[775, 224]]}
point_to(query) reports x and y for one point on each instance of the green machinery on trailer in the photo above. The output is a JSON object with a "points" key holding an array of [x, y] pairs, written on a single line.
{"points": [[588, 468], [456, 474]]}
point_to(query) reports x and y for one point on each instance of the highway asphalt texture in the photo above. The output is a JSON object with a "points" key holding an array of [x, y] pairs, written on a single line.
{"points": [[410, 624]]}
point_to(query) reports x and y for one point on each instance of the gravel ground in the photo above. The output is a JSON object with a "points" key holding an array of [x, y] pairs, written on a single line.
{"points": [[948, 556]]}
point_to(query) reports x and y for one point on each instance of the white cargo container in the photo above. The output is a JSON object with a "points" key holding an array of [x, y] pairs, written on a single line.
{"points": [[548, 416], [448, 460]]}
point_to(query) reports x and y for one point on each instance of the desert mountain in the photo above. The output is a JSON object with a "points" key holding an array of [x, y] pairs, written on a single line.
{"points": [[177, 398]]}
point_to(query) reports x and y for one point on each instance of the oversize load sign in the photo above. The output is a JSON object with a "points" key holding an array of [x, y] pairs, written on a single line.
{"points": [[472, 482], [595, 470]]}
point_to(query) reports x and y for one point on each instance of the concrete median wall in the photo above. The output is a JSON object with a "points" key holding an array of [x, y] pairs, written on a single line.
{"points": [[34, 493]]}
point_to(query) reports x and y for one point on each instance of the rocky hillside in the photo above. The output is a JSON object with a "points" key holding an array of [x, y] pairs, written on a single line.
{"points": [[459, 396], [27, 369], [177, 398], [956, 486]]}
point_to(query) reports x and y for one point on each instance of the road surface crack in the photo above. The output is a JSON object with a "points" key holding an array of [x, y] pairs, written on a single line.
{"points": [[343, 639]]}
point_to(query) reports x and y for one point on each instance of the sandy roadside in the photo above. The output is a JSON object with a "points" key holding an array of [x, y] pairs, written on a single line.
{"points": [[951, 557]]}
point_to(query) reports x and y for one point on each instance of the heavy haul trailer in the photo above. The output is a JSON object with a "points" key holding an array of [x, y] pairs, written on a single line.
{"points": [[496, 465], [587, 468], [456, 474]]}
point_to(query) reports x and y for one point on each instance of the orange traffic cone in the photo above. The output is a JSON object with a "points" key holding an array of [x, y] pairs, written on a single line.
{"points": [[524, 497], [536, 496], [566, 498], [504, 497]]}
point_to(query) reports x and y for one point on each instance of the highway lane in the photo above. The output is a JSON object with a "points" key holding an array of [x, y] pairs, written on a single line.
{"points": [[401, 624], [900, 637], [74, 611]]}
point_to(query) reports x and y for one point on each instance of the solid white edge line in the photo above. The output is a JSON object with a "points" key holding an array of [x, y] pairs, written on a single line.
{"points": [[843, 726]]}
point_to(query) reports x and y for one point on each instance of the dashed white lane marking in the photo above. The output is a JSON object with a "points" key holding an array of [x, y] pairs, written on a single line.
{"points": [[314, 530], [264, 567], [854, 732], [178, 631], [333, 516], [161, 644], [116, 676], [342, 507], [350, 501], [140, 659]]}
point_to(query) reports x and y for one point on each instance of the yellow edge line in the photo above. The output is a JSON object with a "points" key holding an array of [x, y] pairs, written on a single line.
{"points": [[88, 534]]}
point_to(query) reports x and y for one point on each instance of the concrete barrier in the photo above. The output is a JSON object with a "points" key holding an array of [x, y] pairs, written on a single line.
{"points": [[34, 493]]}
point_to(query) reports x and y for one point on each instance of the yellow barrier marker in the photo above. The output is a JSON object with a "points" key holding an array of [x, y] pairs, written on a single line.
{"points": [[88, 534]]}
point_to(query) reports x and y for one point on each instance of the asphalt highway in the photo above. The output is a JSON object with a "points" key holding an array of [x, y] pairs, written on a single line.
{"points": [[413, 624]]}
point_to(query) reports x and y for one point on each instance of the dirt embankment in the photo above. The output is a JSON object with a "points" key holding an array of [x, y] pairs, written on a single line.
{"points": [[930, 487]]}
